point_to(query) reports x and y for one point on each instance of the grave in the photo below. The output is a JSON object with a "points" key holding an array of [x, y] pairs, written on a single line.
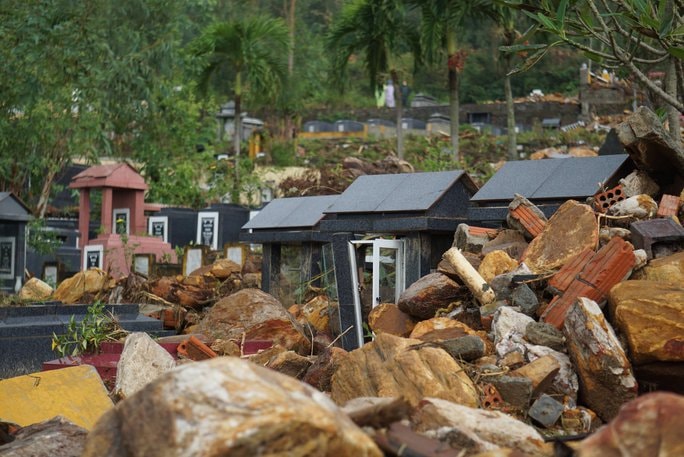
{"points": [[14, 215], [65, 261]]}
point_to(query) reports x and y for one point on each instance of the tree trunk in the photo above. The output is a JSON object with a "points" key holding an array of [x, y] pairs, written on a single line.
{"points": [[672, 112], [510, 118], [453, 92], [400, 114], [237, 142], [45, 192], [291, 26]]}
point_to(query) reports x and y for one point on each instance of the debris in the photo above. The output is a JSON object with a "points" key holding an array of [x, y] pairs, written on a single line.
{"points": [[388, 318], [496, 263], [606, 379], [667, 269], [142, 361], [638, 182], [514, 390], [525, 299], [638, 207], [388, 367], [290, 363], [525, 217], [377, 412], [546, 410], [429, 294], [398, 439], [317, 313], [657, 235], [544, 334], [93, 282], [319, 374], [227, 406], [194, 349], [472, 279], [55, 437], [668, 206], [570, 230], [472, 239], [76, 393], [605, 200], [256, 315], [492, 429], [540, 372], [467, 348], [650, 314], [35, 290], [649, 425], [512, 242]]}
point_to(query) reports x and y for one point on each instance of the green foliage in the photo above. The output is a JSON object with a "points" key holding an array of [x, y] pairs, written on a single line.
{"points": [[85, 337], [42, 241]]}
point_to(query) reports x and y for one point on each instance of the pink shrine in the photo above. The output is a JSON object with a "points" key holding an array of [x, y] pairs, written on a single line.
{"points": [[123, 213]]}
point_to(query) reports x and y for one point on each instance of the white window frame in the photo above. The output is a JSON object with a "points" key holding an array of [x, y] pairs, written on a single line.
{"points": [[93, 248], [165, 219], [127, 212]]}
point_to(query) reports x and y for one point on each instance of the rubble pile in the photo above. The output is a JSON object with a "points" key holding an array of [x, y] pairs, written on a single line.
{"points": [[542, 338]]}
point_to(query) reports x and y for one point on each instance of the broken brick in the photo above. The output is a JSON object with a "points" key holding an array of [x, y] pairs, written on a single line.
{"points": [[570, 271], [646, 234], [529, 220], [610, 265], [194, 349], [669, 206]]}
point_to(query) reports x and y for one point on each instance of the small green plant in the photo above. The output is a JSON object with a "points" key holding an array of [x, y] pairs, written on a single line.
{"points": [[85, 337]]}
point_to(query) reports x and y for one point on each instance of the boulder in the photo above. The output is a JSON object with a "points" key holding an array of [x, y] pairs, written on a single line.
{"points": [[390, 367], [92, 281], [606, 378], [388, 318], [226, 406], [290, 363], [496, 263], [256, 315], [316, 312], [649, 425], [476, 430], [224, 268], [429, 294], [56, 437], [321, 371], [570, 230], [35, 290], [666, 269], [650, 314], [142, 361]]}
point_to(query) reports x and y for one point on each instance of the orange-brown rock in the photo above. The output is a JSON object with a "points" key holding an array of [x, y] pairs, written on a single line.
{"points": [[668, 269], [496, 263], [93, 281], [570, 230], [227, 406], [429, 294], [388, 318], [35, 290], [541, 372], [650, 314], [290, 363], [256, 315], [317, 313], [223, 268], [321, 372], [605, 373], [650, 425], [390, 367]]}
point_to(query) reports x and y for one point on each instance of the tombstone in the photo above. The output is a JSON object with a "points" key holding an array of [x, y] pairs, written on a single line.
{"points": [[143, 264], [207, 229], [317, 126], [349, 126], [551, 123], [381, 128], [438, 123], [123, 226], [235, 252], [408, 123], [182, 225], [229, 219], [14, 215], [158, 227], [380, 122], [193, 258], [67, 255], [423, 100]]}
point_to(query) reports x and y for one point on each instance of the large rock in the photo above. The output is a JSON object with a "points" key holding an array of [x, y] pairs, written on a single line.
{"points": [[496, 263], [316, 312], [606, 378], [92, 281], [668, 269], [56, 437], [390, 367], [35, 290], [256, 315], [227, 406], [569, 231], [650, 425], [388, 318], [142, 361], [476, 430], [650, 314], [321, 372], [429, 294]]}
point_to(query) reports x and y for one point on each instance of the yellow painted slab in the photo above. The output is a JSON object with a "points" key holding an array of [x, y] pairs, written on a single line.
{"points": [[77, 393]]}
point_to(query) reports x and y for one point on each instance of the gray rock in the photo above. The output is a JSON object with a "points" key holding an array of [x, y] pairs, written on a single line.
{"points": [[544, 334], [516, 391], [142, 361], [546, 410], [524, 298], [57, 437], [468, 348]]}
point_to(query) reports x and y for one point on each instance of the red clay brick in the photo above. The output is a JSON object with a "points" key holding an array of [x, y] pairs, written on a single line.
{"points": [[604, 200], [529, 220], [194, 349], [609, 266], [482, 231], [571, 270], [669, 206]]}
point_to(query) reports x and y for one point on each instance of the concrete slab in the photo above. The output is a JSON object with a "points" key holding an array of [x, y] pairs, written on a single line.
{"points": [[76, 393]]}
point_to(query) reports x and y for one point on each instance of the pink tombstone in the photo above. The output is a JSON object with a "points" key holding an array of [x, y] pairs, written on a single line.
{"points": [[123, 225]]}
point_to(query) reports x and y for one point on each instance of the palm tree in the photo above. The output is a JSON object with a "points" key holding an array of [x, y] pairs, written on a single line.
{"points": [[252, 53], [441, 22], [381, 30]]}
